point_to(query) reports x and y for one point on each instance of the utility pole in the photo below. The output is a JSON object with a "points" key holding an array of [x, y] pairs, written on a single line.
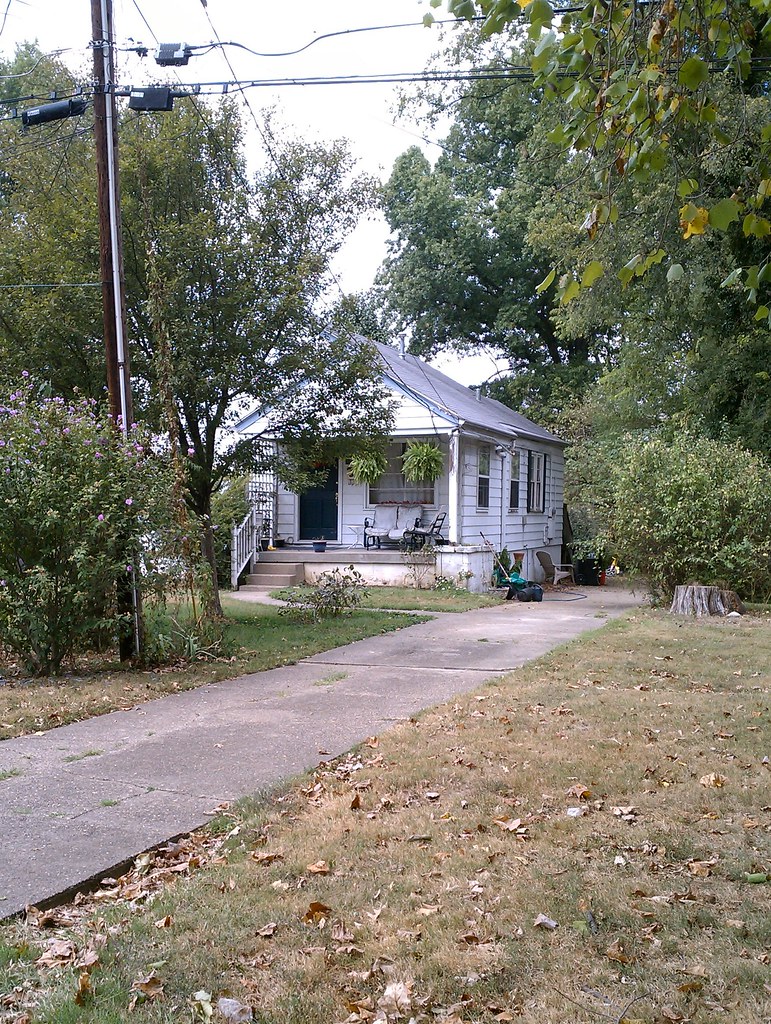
{"points": [[110, 244], [111, 272]]}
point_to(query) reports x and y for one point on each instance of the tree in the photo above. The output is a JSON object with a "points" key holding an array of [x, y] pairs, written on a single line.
{"points": [[638, 84], [461, 272], [226, 281]]}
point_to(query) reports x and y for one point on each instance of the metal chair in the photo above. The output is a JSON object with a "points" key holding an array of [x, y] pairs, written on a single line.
{"points": [[418, 536], [554, 572]]}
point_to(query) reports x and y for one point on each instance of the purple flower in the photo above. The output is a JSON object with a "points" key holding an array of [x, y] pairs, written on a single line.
{"points": [[100, 517], [191, 451], [129, 501]]}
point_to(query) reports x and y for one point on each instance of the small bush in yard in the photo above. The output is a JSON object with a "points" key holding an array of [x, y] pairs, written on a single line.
{"points": [[335, 592], [76, 498], [694, 510]]}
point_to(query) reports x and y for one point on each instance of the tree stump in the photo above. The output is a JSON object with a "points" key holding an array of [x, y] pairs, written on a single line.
{"points": [[698, 600]]}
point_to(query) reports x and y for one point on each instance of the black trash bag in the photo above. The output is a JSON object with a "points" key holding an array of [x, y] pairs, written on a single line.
{"points": [[532, 592]]}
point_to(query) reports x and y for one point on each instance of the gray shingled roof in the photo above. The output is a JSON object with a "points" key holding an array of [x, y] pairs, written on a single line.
{"points": [[458, 401]]}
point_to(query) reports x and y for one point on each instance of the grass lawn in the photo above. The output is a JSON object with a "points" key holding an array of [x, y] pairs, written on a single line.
{"points": [[412, 599], [256, 638], [585, 840]]}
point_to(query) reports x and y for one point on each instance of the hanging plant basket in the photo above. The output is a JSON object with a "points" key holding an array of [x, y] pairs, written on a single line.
{"points": [[422, 460], [367, 467]]}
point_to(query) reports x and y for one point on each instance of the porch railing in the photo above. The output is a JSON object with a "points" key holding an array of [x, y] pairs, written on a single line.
{"points": [[244, 544]]}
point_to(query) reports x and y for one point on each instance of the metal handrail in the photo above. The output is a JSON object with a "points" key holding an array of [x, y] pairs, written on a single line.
{"points": [[244, 544]]}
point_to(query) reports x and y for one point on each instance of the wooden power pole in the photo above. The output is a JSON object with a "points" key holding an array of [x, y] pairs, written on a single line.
{"points": [[111, 270], [110, 244]]}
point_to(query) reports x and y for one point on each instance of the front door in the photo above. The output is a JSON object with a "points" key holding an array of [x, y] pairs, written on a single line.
{"points": [[318, 510]]}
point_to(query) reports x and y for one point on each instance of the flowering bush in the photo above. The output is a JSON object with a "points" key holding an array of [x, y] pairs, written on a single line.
{"points": [[76, 498]]}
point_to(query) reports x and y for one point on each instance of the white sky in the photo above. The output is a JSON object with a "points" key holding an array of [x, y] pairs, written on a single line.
{"points": [[364, 113]]}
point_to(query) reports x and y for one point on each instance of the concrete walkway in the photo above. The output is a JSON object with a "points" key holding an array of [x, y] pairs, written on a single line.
{"points": [[89, 796]]}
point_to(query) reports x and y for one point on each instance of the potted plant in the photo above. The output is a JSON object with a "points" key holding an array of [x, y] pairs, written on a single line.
{"points": [[367, 467], [319, 545], [422, 460]]}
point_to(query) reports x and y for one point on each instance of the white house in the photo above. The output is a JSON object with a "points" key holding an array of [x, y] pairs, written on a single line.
{"points": [[503, 475]]}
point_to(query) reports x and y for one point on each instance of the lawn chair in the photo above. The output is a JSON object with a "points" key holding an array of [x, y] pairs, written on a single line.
{"points": [[387, 526], [553, 573], [419, 535]]}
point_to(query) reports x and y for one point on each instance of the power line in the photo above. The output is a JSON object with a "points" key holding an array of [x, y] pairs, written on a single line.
{"points": [[5, 16], [332, 35]]}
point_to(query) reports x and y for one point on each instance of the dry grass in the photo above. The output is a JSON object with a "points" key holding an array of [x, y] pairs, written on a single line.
{"points": [[444, 839]]}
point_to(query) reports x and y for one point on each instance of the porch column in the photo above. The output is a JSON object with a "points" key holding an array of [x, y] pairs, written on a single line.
{"points": [[455, 529]]}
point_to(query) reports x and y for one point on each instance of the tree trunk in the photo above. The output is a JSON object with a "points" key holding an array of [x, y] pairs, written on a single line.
{"points": [[698, 600], [213, 603]]}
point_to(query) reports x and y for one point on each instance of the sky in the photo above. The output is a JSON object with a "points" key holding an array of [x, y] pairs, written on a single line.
{"points": [[363, 113]]}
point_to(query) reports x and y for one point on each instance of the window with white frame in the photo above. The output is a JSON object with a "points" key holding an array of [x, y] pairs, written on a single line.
{"points": [[392, 487], [514, 481], [483, 477], [536, 481]]}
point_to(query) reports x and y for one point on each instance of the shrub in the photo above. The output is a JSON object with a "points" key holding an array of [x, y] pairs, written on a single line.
{"points": [[694, 510], [335, 592], [76, 499]]}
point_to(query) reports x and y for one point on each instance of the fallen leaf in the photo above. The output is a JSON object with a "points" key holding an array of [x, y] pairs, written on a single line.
{"points": [[355, 802], [146, 988], [397, 999], [84, 991], [616, 952], [315, 912], [268, 930], [702, 868], [372, 741], [57, 952], [319, 868], [234, 1011], [266, 858], [713, 779], [164, 922], [428, 909], [579, 792]]}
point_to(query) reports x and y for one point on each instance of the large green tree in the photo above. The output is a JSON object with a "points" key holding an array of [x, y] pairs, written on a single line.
{"points": [[461, 272], [226, 273], [634, 81]]}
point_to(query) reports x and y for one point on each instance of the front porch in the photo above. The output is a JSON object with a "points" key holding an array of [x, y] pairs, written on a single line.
{"points": [[299, 563]]}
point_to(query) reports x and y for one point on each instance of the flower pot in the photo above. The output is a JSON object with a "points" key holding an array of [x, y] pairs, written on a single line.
{"points": [[319, 546]]}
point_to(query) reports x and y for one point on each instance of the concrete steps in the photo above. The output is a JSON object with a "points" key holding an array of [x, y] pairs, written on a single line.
{"points": [[272, 575]]}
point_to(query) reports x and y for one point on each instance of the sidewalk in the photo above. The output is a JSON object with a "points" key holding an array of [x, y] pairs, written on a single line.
{"points": [[89, 796]]}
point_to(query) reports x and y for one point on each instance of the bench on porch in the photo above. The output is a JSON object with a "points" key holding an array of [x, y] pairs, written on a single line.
{"points": [[389, 524]]}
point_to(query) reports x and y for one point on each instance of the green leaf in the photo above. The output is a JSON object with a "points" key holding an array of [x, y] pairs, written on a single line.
{"points": [[761, 313], [557, 136], [675, 273], [570, 292], [693, 73], [428, 19], [724, 213], [547, 281], [593, 272], [687, 187]]}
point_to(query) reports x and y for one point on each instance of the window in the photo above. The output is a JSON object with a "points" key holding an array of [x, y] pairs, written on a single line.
{"points": [[392, 487], [536, 481], [514, 482], [483, 477]]}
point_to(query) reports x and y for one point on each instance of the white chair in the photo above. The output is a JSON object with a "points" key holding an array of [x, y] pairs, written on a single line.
{"points": [[553, 573]]}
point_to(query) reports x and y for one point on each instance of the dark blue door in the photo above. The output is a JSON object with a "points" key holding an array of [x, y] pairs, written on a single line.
{"points": [[318, 510]]}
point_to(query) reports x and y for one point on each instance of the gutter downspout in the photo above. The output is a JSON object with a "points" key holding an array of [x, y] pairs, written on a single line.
{"points": [[455, 530], [504, 504]]}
